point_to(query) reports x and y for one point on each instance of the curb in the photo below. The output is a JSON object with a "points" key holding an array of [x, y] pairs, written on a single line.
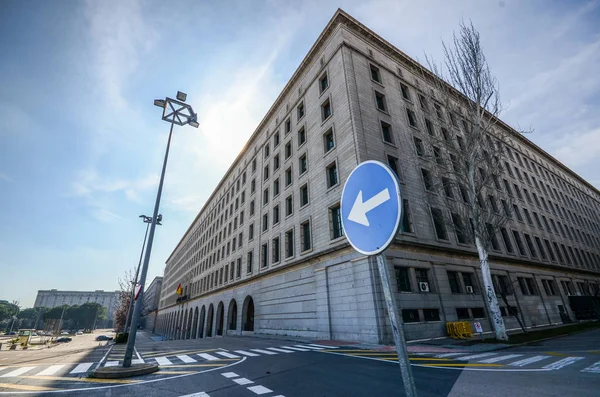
{"points": [[120, 372]]}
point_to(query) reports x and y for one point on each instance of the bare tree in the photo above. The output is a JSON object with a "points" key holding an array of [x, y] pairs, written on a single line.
{"points": [[466, 148], [125, 285]]}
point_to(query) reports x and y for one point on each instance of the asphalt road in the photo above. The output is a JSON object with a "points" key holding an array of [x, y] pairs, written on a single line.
{"points": [[251, 366]]}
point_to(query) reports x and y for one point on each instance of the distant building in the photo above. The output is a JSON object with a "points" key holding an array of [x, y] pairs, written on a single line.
{"points": [[52, 298], [151, 298]]}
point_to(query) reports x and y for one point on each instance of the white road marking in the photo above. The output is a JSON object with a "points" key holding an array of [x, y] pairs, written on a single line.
{"points": [[475, 356], [295, 348], [141, 361], [501, 358], [228, 355], [186, 359], [17, 372], [200, 394], [563, 363], [530, 360], [258, 389], [137, 361], [104, 358], [51, 370], [245, 353], [446, 355], [323, 346], [163, 361], [242, 381], [81, 368], [263, 351], [310, 347], [230, 375], [208, 357], [111, 364], [279, 350], [594, 368]]}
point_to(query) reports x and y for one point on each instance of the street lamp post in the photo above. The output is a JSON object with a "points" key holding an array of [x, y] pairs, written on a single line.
{"points": [[148, 221], [175, 111]]}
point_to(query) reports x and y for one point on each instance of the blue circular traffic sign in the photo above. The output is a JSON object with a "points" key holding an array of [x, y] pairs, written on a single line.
{"points": [[371, 207]]}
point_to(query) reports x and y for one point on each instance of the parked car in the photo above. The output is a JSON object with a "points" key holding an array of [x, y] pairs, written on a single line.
{"points": [[79, 333], [63, 339], [103, 337], [64, 333], [11, 333]]}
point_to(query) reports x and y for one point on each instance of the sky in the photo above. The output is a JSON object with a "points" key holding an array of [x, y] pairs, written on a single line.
{"points": [[81, 144]]}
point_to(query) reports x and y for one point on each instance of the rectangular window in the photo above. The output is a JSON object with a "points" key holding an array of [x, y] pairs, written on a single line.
{"points": [[526, 212], [276, 215], [323, 83], [407, 224], [301, 136], [393, 164], [423, 102], [328, 141], [265, 255], [429, 126], [380, 101], [332, 175], [540, 247], [403, 279], [468, 281], [275, 248], [462, 313], [517, 213], [530, 245], [325, 110], [238, 268], [519, 242], [410, 315], [412, 118], [453, 281], [305, 237], [288, 176], [276, 162], [427, 179], [506, 239], [252, 208], [300, 110], [304, 195], [405, 92], [375, 74], [266, 196], [266, 150], [265, 223], [459, 227], [251, 231], [289, 205], [289, 243], [335, 222], [266, 172], [253, 186], [302, 164], [439, 224], [478, 312], [288, 150], [431, 315], [386, 131], [249, 262], [288, 126], [549, 287], [276, 139], [419, 146]]}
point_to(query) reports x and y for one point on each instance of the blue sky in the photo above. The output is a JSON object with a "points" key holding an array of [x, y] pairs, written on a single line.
{"points": [[81, 144]]}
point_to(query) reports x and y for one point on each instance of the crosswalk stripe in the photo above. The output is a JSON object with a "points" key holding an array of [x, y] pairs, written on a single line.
{"points": [[323, 346], [242, 381], [228, 355], [530, 360], [51, 370], [230, 375], [111, 364], [137, 361], [475, 356], [81, 368], [310, 347], [501, 358], [263, 351], [563, 363], [279, 350], [594, 368], [258, 389], [17, 372], [295, 348], [186, 359], [200, 394], [446, 355], [245, 353], [208, 357], [163, 361]]}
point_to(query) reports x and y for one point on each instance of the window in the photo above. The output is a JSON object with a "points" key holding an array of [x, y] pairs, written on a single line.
{"points": [[304, 195], [567, 287], [253, 186], [437, 153], [429, 126], [493, 203], [405, 92], [289, 205], [288, 176], [301, 136], [407, 225], [465, 194], [375, 75], [276, 162], [323, 83], [238, 268], [265, 255], [549, 287], [266, 196], [517, 213], [403, 279], [462, 313], [386, 131], [332, 175], [431, 315], [526, 212], [275, 250], [266, 150], [380, 101], [335, 222], [265, 222], [305, 236], [412, 119], [251, 231], [419, 146], [530, 245], [438, 111], [325, 110], [266, 172], [288, 150], [478, 312], [427, 179], [520, 245], [289, 243], [393, 164], [249, 262], [300, 110], [423, 103], [275, 187], [276, 139], [453, 281], [328, 141], [302, 164], [410, 315], [468, 280], [459, 227], [506, 239], [439, 224], [276, 215]]}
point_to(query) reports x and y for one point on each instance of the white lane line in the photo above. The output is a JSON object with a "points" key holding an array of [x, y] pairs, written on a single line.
{"points": [[446, 355], [186, 359], [228, 355], [208, 357], [141, 361], [104, 358], [594, 368], [295, 348], [245, 353], [527, 361], [230, 375], [111, 364], [242, 381], [323, 346], [51, 370], [475, 356], [309, 347], [163, 361], [200, 394], [81, 368], [501, 358], [280, 350], [258, 389], [563, 363], [263, 351], [17, 372], [137, 361]]}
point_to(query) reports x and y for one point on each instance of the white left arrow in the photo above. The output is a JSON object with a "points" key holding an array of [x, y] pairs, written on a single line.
{"points": [[359, 210]]}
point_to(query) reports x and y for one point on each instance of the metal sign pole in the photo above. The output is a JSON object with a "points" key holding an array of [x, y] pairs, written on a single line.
{"points": [[397, 329]]}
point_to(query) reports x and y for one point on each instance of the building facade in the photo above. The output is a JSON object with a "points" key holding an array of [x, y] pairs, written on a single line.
{"points": [[52, 298], [267, 253], [150, 304]]}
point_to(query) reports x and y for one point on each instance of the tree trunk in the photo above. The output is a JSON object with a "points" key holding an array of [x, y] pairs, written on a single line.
{"points": [[492, 300]]}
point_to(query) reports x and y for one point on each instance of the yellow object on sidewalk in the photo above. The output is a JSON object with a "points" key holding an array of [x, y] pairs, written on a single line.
{"points": [[459, 329]]}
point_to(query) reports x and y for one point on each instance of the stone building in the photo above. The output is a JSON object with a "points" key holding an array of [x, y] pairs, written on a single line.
{"points": [[150, 304], [267, 254]]}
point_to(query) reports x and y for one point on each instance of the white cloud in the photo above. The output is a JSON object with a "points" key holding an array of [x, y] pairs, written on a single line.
{"points": [[90, 183], [577, 150]]}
